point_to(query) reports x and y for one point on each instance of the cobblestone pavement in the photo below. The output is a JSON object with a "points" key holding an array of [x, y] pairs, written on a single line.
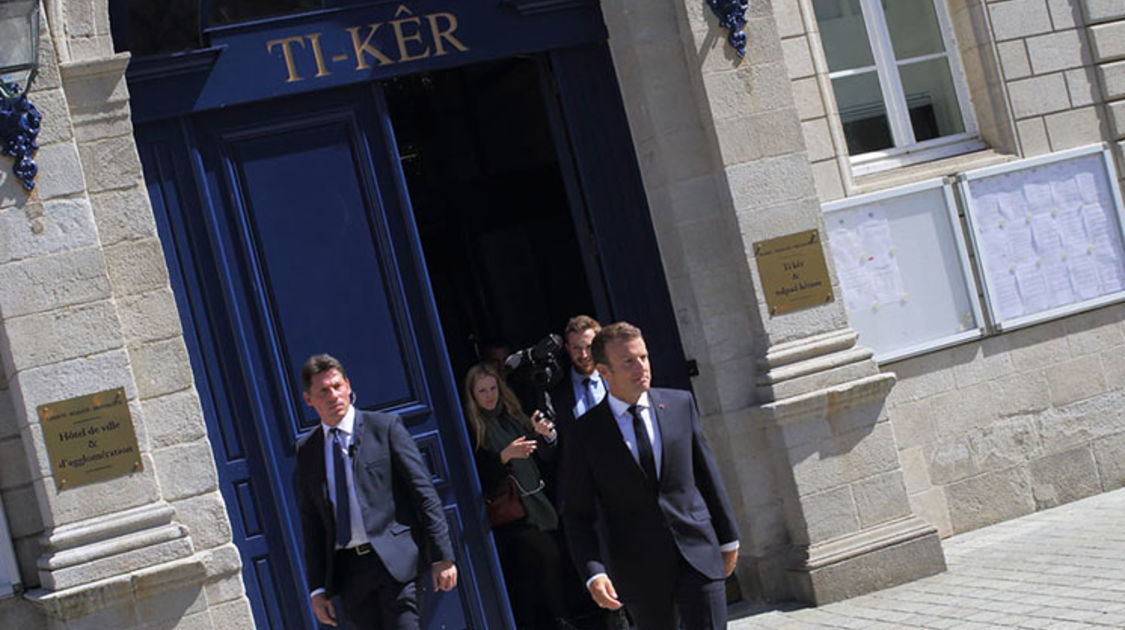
{"points": [[1060, 569]]}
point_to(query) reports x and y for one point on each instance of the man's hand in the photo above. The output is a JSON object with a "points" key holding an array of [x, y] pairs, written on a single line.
{"points": [[322, 607], [601, 589], [730, 560], [445, 575]]}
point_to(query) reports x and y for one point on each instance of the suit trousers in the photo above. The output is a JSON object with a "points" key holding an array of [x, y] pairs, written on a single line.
{"points": [[371, 598], [694, 600]]}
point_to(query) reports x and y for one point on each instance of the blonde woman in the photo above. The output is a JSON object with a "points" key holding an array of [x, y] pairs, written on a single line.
{"points": [[506, 444]]}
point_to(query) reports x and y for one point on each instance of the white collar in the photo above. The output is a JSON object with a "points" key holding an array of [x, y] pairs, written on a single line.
{"points": [[620, 407], [346, 424], [577, 378]]}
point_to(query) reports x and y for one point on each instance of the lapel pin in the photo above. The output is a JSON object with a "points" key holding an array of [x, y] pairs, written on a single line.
{"points": [[660, 406]]}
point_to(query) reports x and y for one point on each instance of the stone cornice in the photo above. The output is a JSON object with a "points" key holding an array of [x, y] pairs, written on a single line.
{"points": [[86, 599], [78, 70], [823, 401], [886, 535]]}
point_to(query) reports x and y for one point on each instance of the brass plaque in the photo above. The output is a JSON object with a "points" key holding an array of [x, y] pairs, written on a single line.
{"points": [[794, 274], [90, 438]]}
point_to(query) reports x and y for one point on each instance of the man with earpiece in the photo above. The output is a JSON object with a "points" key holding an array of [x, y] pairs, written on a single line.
{"points": [[370, 516]]}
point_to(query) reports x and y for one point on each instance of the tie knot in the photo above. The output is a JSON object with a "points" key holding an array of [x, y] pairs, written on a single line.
{"points": [[586, 382], [635, 410]]}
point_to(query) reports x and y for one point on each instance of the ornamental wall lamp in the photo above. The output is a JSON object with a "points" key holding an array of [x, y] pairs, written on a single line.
{"points": [[19, 63]]}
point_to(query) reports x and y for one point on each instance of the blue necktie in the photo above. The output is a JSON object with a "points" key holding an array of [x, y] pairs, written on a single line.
{"points": [[644, 446], [343, 505], [587, 397]]}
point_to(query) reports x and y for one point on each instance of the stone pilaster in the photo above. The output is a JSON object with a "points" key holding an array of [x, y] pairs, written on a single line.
{"points": [[849, 519], [794, 408], [85, 304]]}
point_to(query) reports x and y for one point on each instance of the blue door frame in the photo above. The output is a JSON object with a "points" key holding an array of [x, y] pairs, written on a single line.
{"points": [[286, 235], [213, 126]]}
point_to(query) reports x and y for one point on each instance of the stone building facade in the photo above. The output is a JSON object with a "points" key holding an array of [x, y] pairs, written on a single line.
{"points": [[87, 307], [845, 472]]}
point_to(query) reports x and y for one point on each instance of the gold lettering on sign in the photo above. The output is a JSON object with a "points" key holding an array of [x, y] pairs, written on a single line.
{"points": [[411, 43], [438, 34], [365, 48], [90, 438], [402, 38], [287, 52], [793, 272], [321, 69]]}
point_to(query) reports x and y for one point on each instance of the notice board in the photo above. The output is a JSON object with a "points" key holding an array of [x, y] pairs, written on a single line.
{"points": [[1047, 235], [903, 269]]}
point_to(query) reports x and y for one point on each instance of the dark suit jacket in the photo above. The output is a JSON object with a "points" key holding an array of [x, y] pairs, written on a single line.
{"points": [[562, 398], [690, 508], [401, 510]]}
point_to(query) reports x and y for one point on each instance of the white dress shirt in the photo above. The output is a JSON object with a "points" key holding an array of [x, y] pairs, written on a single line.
{"points": [[624, 420], [596, 391], [347, 432]]}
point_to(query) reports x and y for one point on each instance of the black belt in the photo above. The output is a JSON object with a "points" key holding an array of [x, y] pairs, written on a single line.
{"points": [[358, 550]]}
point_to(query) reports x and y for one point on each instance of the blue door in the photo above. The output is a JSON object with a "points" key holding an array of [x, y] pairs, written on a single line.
{"points": [[288, 232]]}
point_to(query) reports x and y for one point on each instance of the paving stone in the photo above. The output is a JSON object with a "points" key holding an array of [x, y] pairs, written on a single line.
{"points": [[1058, 569]]}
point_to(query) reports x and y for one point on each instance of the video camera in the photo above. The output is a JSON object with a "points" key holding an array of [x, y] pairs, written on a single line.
{"points": [[539, 365]]}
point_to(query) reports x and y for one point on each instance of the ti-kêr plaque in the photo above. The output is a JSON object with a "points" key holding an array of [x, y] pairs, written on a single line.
{"points": [[90, 438], [794, 274]]}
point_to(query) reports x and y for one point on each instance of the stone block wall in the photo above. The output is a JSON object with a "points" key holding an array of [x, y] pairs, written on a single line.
{"points": [[1049, 73], [86, 305], [1105, 27], [1025, 420], [998, 428]]}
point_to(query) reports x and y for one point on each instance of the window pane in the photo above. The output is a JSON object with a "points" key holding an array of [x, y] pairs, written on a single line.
{"points": [[163, 27], [914, 28], [843, 34], [934, 111], [862, 112], [14, 32]]}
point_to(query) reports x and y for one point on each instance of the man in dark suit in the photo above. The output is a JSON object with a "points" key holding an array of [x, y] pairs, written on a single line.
{"points": [[369, 513], [581, 387], [639, 460]]}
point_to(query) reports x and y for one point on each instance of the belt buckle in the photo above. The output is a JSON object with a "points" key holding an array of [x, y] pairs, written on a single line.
{"points": [[364, 549]]}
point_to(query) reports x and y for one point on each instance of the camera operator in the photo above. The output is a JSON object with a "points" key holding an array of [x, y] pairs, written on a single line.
{"points": [[582, 387]]}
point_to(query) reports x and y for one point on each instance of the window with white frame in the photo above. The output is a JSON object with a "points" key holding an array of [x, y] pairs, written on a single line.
{"points": [[899, 87]]}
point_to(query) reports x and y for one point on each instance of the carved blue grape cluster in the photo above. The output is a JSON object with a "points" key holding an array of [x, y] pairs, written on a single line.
{"points": [[732, 16], [19, 127]]}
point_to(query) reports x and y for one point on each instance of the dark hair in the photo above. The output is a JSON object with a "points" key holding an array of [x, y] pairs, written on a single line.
{"points": [[580, 324], [617, 331], [319, 364]]}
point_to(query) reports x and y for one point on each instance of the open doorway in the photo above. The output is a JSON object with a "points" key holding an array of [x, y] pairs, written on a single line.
{"points": [[490, 199]]}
